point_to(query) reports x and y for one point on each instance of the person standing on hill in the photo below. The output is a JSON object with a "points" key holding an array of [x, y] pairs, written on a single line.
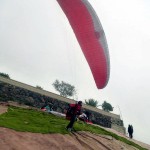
{"points": [[130, 131], [76, 111]]}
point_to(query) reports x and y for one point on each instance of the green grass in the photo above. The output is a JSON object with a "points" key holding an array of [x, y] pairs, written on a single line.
{"points": [[29, 120]]}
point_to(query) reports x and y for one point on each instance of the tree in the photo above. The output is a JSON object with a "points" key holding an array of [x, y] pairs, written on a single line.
{"points": [[39, 87], [92, 102], [107, 107], [65, 89], [4, 75]]}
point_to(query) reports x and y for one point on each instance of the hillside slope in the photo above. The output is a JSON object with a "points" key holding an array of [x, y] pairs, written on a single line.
{"points": [[81, 140], [10, 139]]}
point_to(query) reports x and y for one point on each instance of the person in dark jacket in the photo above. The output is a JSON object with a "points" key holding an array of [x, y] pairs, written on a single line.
{"points": [[130, 131], [76, 111]]}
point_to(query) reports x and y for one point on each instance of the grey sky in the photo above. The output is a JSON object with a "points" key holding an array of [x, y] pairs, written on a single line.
{"points": [[37, 46]]}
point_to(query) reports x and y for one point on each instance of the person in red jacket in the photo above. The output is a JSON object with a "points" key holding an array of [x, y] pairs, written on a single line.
{"points": [[76, 110]]}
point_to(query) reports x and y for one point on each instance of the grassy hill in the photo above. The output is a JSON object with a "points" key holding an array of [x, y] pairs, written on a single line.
{"points": [[30, 120]]}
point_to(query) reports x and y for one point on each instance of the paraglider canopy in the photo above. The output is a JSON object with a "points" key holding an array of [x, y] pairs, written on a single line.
{"points": [[90, 35]]}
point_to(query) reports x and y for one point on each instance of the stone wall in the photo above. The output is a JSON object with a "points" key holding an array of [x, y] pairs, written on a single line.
{"points": [[118, 128], [11, 90]]}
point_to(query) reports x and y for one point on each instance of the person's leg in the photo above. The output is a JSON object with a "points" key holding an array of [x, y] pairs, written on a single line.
{"points": [[70, 125], [129, 135]]}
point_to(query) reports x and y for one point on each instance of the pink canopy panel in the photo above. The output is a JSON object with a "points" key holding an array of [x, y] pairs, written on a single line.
{"points": [[90, 35]]}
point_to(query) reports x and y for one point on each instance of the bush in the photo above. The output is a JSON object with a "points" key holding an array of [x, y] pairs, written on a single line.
{"points": [[4, 75]]}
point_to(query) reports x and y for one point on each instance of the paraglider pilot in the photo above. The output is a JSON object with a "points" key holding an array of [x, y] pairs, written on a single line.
{"points": [[76, 111]]}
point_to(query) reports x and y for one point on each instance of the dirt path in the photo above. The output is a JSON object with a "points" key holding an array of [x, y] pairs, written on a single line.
{"points": [[13, 140]]}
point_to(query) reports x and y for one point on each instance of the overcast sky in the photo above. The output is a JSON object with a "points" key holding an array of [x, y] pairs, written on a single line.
{"points": [[37, 46]]}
